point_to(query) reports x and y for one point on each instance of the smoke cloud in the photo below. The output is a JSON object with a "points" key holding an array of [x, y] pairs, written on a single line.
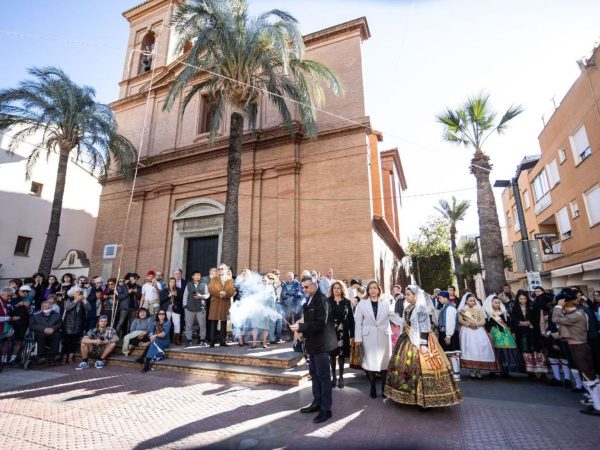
{"points": [[256, 307]]}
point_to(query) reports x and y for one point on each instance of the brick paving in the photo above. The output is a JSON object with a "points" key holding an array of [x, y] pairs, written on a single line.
{"points": [[120, 408]]}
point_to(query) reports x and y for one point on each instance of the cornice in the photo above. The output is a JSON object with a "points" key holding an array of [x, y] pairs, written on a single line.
{"points": [[359, 24], [253, 141], [385, 232], [144, 8], [395, 155]]}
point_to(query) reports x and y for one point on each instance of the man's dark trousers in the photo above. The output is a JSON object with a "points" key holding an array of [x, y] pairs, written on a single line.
{"points": [[42, 340], [320, 372]]}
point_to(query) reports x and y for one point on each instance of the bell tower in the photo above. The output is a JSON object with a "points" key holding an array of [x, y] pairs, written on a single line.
{"points": [[149, 42]]}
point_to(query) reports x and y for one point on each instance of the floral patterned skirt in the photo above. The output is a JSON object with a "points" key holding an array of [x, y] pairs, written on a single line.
{"points": [[423, 380]]}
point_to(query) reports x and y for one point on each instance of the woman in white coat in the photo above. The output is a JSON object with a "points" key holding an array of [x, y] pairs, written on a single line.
{"points": [[372, 327]]}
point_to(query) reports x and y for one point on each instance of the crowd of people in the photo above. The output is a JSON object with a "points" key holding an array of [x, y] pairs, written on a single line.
{"points": [[413, 342]]}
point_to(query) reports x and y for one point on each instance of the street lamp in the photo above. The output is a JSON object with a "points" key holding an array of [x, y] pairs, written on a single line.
{"points": [[528, 163]]}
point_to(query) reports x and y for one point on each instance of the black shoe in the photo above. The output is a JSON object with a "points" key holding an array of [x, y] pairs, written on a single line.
{"points": [[146, 365], [333, 381], [373, 391], [590, 411], [578, 390], [322, 417], [212, 344], [554, 382], [311, 408], [340, 383]]}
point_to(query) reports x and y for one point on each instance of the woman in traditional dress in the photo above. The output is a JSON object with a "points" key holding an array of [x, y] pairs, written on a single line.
{"points": [[477, 352], [419, 372], [558, 358], [372, 328], [503, 341], [344, 329], [525, 322]]}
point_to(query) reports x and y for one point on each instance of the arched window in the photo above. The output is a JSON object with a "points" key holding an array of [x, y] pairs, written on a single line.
{"points": [[146, 55]]}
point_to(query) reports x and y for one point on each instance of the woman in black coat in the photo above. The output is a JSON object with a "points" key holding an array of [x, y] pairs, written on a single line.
{"points": [[344, 329], [525, 324]]}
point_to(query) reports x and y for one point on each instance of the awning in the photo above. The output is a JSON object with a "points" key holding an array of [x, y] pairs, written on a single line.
{"points": [[575, 280], [559, 282], [569, 270], [591, 275], [547, 283], [591, 265]]}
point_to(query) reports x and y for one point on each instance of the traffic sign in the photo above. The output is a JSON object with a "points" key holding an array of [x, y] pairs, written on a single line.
{"points": [[533, 279]]}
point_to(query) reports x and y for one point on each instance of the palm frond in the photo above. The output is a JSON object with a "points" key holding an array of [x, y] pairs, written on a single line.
{"points": [[244, 56], [510, 114], [474, 122]]}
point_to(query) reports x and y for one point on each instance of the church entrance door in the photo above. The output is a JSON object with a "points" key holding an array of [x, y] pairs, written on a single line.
{"points": [[202, 254]]}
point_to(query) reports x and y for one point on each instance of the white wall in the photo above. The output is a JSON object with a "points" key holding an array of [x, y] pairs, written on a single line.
{"points": [[23, 214]]}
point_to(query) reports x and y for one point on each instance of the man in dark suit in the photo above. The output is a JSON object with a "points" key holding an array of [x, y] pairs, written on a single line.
{"points": [[179, 283], [319, 339]]}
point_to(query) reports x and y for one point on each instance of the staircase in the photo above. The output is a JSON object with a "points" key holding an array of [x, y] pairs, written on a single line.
{"points": [[278, 364]]}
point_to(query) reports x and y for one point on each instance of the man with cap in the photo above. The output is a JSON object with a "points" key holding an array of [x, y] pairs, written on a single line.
{"points": [[135, 292], [98, 343], [398, 299], [19, 308], [448, 330], [150, 294]]}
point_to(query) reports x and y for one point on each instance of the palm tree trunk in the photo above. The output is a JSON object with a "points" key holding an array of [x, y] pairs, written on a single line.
{"points": [[459, 278], [489, 226], [471, 285], [54, 227], [229, 255]]}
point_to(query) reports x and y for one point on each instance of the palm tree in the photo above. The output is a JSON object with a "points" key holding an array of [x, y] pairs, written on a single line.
{"points": [[70, 123], [469, 268], [236, 60], [472, 125], [454, 213]]}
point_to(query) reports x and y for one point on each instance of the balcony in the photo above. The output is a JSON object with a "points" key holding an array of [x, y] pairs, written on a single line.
{"points": [[543, 203]]}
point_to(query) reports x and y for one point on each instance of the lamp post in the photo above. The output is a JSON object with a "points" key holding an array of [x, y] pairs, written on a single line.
{"points": [[528, 163]]}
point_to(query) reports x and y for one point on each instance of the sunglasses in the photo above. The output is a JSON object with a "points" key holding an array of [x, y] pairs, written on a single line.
{"points": [[161, 314]]}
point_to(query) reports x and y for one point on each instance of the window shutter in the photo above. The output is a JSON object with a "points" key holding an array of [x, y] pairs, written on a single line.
{"points": [[564, 225], [553, 175], [592, 205]]}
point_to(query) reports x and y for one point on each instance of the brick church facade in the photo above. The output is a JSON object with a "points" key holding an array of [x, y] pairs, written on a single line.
{"points": [[304, 204]]}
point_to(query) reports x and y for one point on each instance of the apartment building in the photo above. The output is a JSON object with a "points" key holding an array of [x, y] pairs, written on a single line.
{"points": [[560, 195]]}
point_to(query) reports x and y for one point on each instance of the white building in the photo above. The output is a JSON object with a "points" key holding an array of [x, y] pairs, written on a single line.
{"points": [[25, 216]]}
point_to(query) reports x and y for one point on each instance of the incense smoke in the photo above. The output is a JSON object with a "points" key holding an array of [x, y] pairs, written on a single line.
{"points": [[256, 307]]}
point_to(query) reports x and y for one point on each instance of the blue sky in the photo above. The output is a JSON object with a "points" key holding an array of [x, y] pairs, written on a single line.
{"points": [[423, 55]]}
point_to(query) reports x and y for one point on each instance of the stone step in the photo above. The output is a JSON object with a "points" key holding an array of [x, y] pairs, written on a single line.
{"points": [[277, 356], [231, 372]]}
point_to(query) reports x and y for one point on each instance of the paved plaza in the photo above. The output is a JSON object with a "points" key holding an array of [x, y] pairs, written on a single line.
{"points": [[120, 408]]}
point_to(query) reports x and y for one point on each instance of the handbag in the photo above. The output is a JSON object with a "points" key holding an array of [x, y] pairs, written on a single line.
{"points": [[161, 353], [356, 354], [6, 331], [298, 346]]}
